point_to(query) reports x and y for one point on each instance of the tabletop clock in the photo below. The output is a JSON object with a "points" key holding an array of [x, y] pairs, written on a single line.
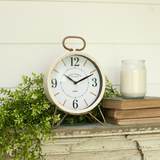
{"points": [[74, 82]]}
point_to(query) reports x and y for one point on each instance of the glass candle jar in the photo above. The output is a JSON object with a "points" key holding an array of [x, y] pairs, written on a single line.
{"points": [[133, 81]]}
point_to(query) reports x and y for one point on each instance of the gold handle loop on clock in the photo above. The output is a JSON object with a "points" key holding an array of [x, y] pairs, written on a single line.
{"points": [[70, 49]]}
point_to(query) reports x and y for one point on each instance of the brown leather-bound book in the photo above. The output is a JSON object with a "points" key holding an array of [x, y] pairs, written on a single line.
{"points": [[120, 103], [133, 121], [131, 113]]}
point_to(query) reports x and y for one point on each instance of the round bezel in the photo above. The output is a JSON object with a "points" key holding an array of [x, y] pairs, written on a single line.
{"points": [[64, 81]]}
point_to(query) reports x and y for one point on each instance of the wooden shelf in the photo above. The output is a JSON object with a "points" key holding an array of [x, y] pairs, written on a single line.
{"points": [[85, 129]]}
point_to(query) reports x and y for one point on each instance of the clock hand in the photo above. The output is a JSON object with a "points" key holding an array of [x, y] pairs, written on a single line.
{"points": [[70, 79], [83, 78]]}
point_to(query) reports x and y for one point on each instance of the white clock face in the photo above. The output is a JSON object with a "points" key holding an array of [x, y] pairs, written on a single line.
{"points": [[76, 82]]}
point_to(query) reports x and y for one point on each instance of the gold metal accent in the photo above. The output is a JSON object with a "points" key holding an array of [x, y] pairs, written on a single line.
{"points": [[59, 121], [84, 63], [92, 115], [93, 93], [63, 62], [85, 102], [102, 123], [56, 94], [64, 102], [70, 49], [93, 71], [55, 70]]}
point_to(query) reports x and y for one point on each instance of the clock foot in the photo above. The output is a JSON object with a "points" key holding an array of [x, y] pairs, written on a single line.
{"points": [[92, 115], [102, 123], [54, 127]]}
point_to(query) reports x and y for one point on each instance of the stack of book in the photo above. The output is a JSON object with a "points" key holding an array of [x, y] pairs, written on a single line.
{"points": [[131, 111]]}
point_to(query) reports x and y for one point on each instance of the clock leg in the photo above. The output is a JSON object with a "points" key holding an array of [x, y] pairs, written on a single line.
{"points": [[103, 123], [92, 115], [90, 118], [54, 127]]}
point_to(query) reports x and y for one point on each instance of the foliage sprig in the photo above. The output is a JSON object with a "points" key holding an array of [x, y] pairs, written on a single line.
{"points": [[25, 119], [110, 91], [25, 122]]}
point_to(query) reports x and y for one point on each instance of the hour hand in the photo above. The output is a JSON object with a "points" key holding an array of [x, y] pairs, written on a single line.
{"points": [[70, 79]]}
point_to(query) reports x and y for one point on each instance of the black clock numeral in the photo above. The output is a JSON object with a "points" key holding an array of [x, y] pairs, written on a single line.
{"points": [[94, 82], [75, 104], [74, 61], [54, 83]]}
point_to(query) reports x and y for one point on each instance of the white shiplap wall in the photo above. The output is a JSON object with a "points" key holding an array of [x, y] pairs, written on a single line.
{"points": [[31, 34]]}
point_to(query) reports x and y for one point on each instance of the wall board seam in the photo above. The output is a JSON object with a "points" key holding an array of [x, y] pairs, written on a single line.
{"points": [[80, 43], [90, 1]]}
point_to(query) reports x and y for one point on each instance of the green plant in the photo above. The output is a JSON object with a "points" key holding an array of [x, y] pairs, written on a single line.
{"points": [[25, 120], [110, 91]]}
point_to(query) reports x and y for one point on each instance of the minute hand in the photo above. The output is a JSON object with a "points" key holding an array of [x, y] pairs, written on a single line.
{"points": [[83, 78]]}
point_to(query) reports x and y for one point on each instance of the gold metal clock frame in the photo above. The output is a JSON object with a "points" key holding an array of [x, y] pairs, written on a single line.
{"points": [[88, 112], [92, 115]]}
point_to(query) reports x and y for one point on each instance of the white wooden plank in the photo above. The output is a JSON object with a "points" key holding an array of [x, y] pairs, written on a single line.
{"points": [[48, 22], [152, 90], [21, 60], [110, 57], [16, 60], [99, 1]]}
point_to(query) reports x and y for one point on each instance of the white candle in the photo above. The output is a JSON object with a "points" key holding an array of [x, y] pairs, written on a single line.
{"points": [[133, 79]]}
